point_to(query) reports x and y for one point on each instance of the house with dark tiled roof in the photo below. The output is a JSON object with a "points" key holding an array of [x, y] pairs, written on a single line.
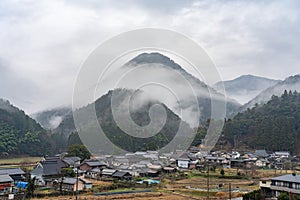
{"points": [[261, 153], [90, 164], [273, 187], [122, 175], [51, 167], [108, 173], [72, 161]]}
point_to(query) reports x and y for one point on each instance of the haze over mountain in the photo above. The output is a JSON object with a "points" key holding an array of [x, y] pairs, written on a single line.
{"points": [[245, 87], [183, 93], [142, 113], [50, 119], [291, 83]]}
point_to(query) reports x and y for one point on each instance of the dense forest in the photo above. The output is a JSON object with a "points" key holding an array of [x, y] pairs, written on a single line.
{"points": [[19, 134], [272, 126]]}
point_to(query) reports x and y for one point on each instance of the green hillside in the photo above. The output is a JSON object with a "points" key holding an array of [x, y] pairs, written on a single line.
{"points": [[140, 116], [21, 135], [272, 126]]}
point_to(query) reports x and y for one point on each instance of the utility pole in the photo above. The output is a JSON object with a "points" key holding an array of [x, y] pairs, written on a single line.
{"points": [[76, 183], [230, 191], [208, 182]]}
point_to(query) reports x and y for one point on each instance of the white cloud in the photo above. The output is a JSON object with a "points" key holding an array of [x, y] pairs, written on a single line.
{"points": [[43, 43]]}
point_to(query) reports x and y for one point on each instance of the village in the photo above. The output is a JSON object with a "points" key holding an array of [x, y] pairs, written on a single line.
{"points": [[151, 171]]}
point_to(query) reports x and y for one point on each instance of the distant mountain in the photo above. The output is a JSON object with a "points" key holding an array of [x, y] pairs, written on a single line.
{"points": [[20, 134], [50, 119], [245, 88], [180, 93], [160, 67], [273, 126], [140, 114], [291, 83]]}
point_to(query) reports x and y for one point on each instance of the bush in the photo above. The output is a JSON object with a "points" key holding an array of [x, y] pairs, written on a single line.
{"points": [[222, 172], [255, 195], [283, 196]]}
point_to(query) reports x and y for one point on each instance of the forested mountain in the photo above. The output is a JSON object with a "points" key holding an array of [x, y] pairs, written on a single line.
{"points": [[139, 114], [50, 119], [158, 65], [291, 83], [19, 134], [272, 126], [246, 87]]}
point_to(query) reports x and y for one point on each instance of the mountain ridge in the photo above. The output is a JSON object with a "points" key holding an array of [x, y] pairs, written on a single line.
{"points": [[20, 134], [112, 130], [244, 88], [205, 94], [290, 83]]}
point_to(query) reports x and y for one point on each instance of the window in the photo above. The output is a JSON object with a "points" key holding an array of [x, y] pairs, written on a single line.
{"points": [[278, 183]]}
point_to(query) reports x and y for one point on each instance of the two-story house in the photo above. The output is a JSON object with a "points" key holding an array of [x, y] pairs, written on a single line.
{"points": [[289, 183]]}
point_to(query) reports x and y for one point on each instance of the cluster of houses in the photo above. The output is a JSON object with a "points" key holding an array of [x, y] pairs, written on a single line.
{"points": [[58, 171]]}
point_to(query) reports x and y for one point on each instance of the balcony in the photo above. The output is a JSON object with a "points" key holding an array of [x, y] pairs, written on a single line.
{"points": [[285, 189]]}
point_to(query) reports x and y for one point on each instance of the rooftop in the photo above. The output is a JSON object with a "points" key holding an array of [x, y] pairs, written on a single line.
{"points": [[288, 178], [4, 178], [12, 171]]}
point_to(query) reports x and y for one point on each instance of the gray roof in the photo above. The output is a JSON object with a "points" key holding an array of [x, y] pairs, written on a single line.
{"points": [[108, 171], [49, 167], [70, 181], [121, 174], [95, 170], [214, 158], [4, 178], [12, 171], [288, 178], [85, 181], [261, 153], [285, 153], [71, 160], [95, 163]]}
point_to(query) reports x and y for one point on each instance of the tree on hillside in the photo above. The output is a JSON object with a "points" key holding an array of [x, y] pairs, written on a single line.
{"points": [[79, 150]]}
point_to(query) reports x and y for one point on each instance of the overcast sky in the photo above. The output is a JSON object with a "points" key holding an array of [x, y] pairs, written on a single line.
{"points": [[43, 43]]}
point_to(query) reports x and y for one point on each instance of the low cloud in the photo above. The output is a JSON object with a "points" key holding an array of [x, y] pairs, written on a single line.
{"points": [[43, 43]]}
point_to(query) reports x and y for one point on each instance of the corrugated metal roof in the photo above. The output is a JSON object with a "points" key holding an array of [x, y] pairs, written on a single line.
{"points": [[95, 163], [12, 171], [4, 178], [108, 171], [70, 181]]}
